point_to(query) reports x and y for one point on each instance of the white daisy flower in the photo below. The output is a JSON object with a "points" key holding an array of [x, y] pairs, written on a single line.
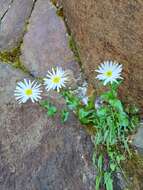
{"points": [[27, 90], [56, 79], [109, 72]]}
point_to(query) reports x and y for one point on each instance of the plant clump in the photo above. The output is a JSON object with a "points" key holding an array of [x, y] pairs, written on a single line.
{"points": [[111, 122]]}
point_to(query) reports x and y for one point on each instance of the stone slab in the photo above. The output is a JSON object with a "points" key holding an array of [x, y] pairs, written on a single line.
{"points": [[37, 152], [138, 139], [14, 23], [45, 45], [4, 5]]}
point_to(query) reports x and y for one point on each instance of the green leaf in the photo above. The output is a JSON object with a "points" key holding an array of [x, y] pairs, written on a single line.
{"points": [[83, 113], [116, 104], [109, 96], [64, 115], [102, 112], [115, 85], [98, 181], [100, 163], [51, 110], [44, 104], [73, 104], [111, 155], [106, 135], [120, 158], [85, 116], [109, 121], [99, 138], [72, 101], [108, 181], [91, 102], [123, 119], [113, 166]]}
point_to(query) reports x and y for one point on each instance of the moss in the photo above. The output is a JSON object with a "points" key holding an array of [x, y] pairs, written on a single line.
{"points": [[60, 12], [73, 47], [54, 2], [20, 66], [59, 8], [13, 58]]}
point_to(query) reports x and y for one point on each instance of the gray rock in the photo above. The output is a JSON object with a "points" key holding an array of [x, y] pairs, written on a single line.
{"points": [[45, 44], [8, 79], [4, 5], [138, 139], [119, 182], [13, 24], [37, 152]]}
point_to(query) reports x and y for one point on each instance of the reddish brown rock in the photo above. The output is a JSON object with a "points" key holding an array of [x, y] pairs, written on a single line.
{"points": [[37, 152], [45, 44], [113, 30]]}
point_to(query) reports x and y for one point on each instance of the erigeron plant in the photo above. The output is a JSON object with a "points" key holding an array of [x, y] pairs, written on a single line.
{"points": [[111, 122]]}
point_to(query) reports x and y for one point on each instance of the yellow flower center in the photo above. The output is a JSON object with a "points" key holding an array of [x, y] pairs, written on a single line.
{"points": [[108, 73], [28, 92], [56, 79]]}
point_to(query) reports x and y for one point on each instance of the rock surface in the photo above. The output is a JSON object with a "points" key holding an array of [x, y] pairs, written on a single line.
{"points": [[138, 139], [4, 5], [13, 24], [110, 30], [38, 153], [45, 44]]}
